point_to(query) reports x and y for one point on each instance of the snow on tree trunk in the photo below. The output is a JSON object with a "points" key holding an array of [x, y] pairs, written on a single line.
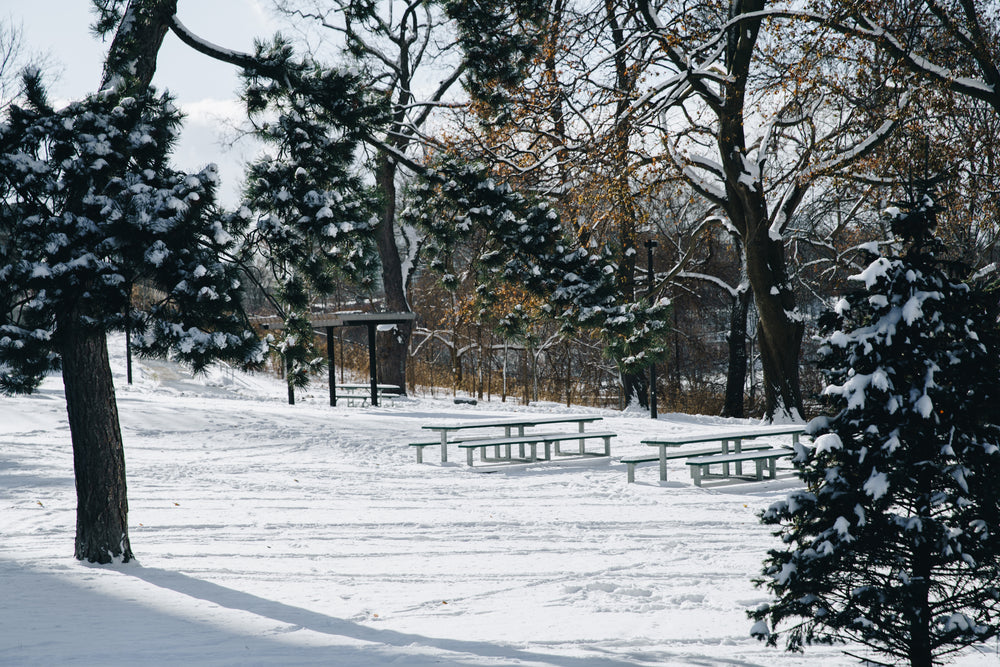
{"points": [[636, 388]]}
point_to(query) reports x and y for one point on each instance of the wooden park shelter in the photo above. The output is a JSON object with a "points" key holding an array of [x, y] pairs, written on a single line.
{"points": [[329, 321]]}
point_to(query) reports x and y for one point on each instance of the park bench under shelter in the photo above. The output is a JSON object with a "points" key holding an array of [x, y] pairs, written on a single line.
{"points": [[354, 318]]}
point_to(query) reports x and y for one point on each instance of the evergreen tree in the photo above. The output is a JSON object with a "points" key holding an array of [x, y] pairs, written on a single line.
{"points": [[529, 246], [91, 209], [314, 220], [895, 541]]}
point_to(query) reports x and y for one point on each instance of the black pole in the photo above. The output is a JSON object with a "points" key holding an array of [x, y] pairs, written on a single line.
{"points": [[330, 367], [288, 380], [650, 244], [372, 365], [128, 350]]}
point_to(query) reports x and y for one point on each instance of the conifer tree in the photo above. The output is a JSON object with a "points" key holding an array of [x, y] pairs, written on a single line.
{"points": [[90, 209], [895, 541], [312, 218], [529, 246]]}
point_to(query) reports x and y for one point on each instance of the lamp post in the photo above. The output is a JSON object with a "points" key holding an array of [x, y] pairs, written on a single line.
{"points": [[650, 244]]}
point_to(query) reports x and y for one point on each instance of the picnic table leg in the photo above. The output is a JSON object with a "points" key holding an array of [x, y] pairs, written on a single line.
{"points": [[663, 463], [607, 445], [630, 469], [468, 454], [520, 432], [696, 475], [725, 466], [444, 447], [738, 447], [581, 439]]}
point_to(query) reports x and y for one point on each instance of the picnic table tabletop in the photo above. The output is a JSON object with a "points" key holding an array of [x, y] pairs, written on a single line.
{"points": [[511, 423], [728, 435], [380, 387]]}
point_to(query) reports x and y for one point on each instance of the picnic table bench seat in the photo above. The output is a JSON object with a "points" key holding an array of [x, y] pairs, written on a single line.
{"points": [[532, 441], [437, 443], [700, 465], [362, 399], [632, 461], [353, 397], [734, 437]]}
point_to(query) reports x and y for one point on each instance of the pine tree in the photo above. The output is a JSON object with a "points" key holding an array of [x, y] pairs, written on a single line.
{"points": [[528, 245], [312, 218], [90, 210], [894, 541]]}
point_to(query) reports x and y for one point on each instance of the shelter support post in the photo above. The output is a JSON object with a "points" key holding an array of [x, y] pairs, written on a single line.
{"points": [[330, 367], [372, 363]]}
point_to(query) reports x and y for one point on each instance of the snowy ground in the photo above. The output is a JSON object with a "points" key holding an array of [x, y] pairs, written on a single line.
{"points": [[273, 534]]}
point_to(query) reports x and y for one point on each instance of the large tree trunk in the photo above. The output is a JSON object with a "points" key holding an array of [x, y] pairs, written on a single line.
{"points": [[98, 453], [779, 332], [394, 345], [636, 386], [131, 61], [736, 375]]}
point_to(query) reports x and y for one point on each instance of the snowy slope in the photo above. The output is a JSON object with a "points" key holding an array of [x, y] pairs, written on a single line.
{"points": [[272, 534]]}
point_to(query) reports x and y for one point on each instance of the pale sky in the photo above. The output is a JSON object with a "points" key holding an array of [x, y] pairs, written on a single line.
{"points": [[205, 88]]}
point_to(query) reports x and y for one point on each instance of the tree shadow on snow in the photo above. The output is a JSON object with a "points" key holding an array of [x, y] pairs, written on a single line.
{"points": [[329, 625]]}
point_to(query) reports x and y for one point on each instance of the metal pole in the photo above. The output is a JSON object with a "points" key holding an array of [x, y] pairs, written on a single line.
{"points": [[128, 349], [330, 367], [372, 364], [650, 244]]}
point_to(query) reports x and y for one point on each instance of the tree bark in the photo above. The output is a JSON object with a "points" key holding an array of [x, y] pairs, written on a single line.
{"points": [[736, 375], [98, 451], [918, 613], [131, 61], [393, 346], [779, 334], [636, 385]]}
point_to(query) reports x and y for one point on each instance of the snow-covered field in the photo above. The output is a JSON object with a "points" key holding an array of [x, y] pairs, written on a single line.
{"points": [[272, 534]]}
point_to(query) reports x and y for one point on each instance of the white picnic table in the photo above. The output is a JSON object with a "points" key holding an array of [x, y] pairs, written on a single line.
{"points": [[352, 392], [727, 437], [508, 426]]}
